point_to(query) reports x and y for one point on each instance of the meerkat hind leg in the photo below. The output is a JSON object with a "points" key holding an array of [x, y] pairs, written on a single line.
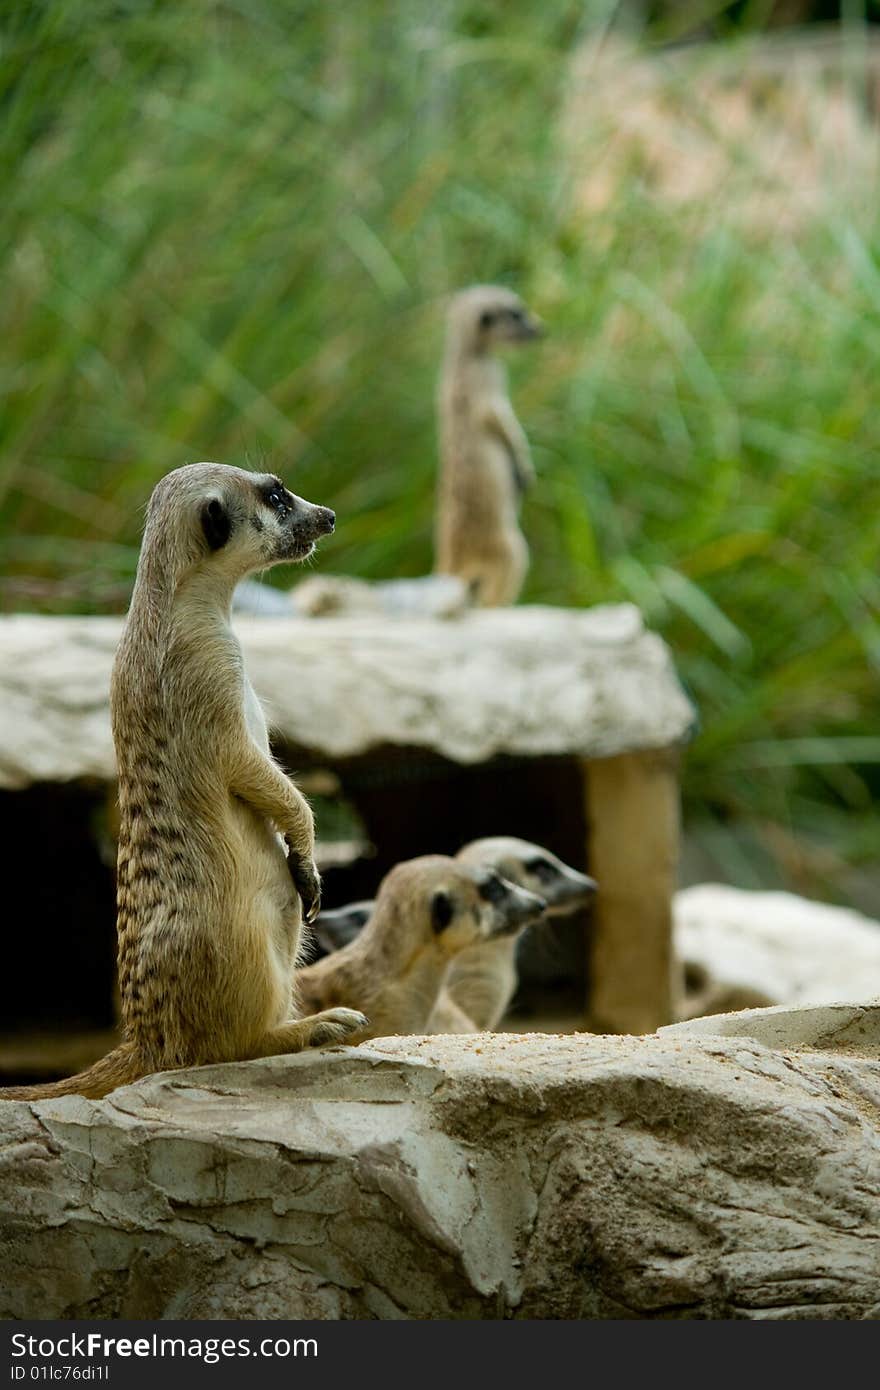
{"points": [[495, 588], [318, 1030]]}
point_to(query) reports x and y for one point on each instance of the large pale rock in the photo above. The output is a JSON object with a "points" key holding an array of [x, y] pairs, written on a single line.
{"points": [[530, 681], [746, 949], [469, 1177], [849, 1028]]}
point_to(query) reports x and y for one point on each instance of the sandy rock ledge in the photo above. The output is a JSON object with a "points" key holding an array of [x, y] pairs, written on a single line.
{"points": [[677, 1175]]}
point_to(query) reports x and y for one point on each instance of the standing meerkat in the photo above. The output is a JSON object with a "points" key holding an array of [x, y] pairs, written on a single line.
{"points": [[485, 463], [216, 845], [427, 913]]}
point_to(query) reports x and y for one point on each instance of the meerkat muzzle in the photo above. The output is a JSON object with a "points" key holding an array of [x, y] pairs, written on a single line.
{"points": [[532, 328], [579, 887], [569, 892], [313, 522], [306, 525], [519, 909]]}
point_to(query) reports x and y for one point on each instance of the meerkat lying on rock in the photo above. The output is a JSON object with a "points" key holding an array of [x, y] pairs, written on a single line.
{"points": [[216, 846], [485, 463], [481, 980], [338, 595], [427, 912]]}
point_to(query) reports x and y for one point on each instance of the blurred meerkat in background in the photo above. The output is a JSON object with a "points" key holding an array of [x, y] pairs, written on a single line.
{"points": [[483, 979], [428, 911], [479, 985], [481, 556], [485, 462]]}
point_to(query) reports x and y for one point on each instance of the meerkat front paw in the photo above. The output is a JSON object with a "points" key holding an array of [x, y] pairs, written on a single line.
{"points": [[335, 1025], [307, 882]]}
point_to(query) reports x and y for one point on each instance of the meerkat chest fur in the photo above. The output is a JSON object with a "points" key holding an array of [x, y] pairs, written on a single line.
{"points": [[254, 715], [479, 467]]}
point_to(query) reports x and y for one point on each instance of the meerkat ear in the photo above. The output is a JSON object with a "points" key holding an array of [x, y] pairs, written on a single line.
{"points": [[442, 911], [216, 524]]}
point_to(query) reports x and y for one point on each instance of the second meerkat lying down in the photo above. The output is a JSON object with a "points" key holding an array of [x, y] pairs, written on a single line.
{"points": [[481, 981], [485, 463], [427, 912], [339, 595]]}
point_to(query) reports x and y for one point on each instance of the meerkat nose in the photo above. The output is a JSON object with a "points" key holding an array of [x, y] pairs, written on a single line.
{"points": [[328, 521]]}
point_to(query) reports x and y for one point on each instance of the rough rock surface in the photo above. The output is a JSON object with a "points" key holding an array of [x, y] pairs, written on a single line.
{"points": [[745, 949], [533, 681], [675, 1175], [850, 1028]]}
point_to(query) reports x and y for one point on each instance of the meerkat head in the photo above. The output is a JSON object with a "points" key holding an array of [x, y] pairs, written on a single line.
{"points": [[563, 888], [440, 904], [486, 317], [230, 521]]}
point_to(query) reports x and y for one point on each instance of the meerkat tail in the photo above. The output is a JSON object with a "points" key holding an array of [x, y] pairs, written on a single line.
{"points": [[119, 1068]]}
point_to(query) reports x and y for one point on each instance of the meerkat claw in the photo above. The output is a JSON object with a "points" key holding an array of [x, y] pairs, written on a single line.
{"points": [[307, 882]]}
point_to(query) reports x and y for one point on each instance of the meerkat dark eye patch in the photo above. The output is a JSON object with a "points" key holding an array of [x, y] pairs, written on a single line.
{"points": [[543, 869], [278, 498], [487, 318], [492, 890], [216, 524], [442, 911]]}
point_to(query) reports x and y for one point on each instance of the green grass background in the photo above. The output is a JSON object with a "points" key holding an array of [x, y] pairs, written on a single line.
{"points": [[227, 231]]}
